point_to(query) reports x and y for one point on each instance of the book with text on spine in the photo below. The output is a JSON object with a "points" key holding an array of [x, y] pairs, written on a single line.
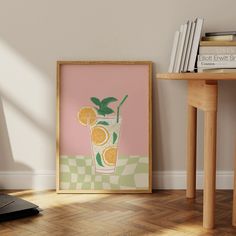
{"points": [[212, 64], [217, 58], [217, 50]]}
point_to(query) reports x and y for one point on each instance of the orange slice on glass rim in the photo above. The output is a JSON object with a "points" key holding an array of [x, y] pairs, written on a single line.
{"points": [[87, 116]]}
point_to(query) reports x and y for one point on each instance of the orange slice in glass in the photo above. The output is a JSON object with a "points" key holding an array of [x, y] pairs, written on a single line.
{"points": [[99, 135], [110, 155]]}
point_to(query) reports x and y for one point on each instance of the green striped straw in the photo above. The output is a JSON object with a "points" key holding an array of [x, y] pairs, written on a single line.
{"points": [[118, 108]]}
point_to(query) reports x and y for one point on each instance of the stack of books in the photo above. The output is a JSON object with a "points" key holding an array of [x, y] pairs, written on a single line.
{"points": [[185, 47], [217, 52]]}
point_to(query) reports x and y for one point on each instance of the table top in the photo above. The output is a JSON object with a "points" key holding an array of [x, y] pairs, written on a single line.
{"points": [[196, 76]]}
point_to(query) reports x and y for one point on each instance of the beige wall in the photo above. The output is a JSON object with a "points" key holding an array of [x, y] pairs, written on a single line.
{"points": [[35, 34]]}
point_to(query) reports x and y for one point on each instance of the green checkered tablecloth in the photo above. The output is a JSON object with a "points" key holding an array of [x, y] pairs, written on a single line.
{"points": [[78, 173]]}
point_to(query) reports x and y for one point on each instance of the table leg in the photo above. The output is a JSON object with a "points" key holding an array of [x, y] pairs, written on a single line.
{"points": [[203, 94], [234, 195], [209, 168], [191, 152]]}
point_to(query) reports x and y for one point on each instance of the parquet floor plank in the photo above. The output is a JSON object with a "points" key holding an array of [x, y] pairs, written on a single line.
{"points": [[163, 213]]}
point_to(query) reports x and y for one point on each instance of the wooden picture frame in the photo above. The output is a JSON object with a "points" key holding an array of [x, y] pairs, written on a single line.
{"points": [[104, 127]]}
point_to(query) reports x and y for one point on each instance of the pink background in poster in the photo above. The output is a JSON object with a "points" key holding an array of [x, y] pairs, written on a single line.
{"points": [[80, 82]]}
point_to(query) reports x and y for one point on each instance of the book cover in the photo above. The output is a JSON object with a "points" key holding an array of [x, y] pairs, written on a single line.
{"points": [[218, 43], [173, 52], [215, 64], [220, 33], [220, 38], [13, 207], [220, 70], [5, 202], [189, 47], [217, 50], [180, 48], [195, 45], [217, 58], [185, 46]]}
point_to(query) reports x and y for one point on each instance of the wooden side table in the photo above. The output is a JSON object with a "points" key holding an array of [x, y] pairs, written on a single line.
{"points": [[202, 94]]}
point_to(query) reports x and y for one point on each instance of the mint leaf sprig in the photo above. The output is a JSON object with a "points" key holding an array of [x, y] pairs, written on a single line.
{"points": [[102, 106]]}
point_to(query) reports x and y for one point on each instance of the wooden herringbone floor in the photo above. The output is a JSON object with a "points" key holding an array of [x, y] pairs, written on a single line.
{"points": [[161, 213]]}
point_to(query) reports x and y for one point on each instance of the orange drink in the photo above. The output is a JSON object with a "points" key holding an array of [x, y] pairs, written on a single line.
{"points": [[104, 141]]}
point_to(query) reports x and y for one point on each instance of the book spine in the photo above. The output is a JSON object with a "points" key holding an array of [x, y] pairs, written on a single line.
{"points": [[210, 64], [173, 52], [218, 38], [192, 29], [218, 58], [185, 46], [217, 43], [217, 70], [220, 33], [217, 50], [179, 50], [195, 45]]}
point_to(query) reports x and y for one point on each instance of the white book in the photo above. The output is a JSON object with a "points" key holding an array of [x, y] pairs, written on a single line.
{"points": [[183, 30], [173, 52], [226, 70], [178, 48], [217, 57], [196, 40], [217, 50], [214, 64], [185, 47], [193, 24]]}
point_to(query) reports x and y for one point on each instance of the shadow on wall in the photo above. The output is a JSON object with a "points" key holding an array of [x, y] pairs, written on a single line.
{"points": [[6, 155], [44, 39]]}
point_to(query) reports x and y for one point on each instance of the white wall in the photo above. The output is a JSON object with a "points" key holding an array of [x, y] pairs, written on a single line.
{"points": [[35, 34]]}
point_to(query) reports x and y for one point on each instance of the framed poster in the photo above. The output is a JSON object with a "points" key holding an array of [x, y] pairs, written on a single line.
{"points": [[104, 127]]}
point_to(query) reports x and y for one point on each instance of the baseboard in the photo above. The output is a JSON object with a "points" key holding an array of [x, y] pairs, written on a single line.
{"points": [[177, 180], [40, 179], [45, 179]]}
